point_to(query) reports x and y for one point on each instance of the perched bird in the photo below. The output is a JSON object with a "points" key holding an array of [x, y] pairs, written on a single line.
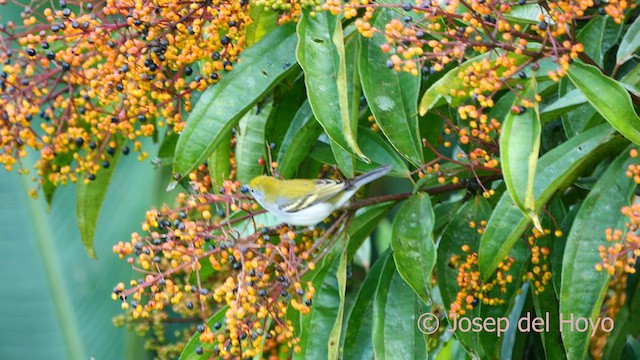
{"points": [[306, 202]]}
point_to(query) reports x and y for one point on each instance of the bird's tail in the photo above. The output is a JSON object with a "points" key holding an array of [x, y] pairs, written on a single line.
{"points": [[372, 175]]}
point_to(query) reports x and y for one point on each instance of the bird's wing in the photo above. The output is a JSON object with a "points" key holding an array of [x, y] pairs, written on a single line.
{"points": [[327, 189]]}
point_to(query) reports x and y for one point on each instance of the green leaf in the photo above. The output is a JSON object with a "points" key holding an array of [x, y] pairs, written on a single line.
{"points": [[519, 149], [321, 54], [556, 169], [263, 21], [412, 243], [222, 105], [365, 221], [168, 145], [333, 345], [358, 344], [583, 288], [598, 36], [376, 148], [392, 96], [298, 141], [57, 297], [631, 349], [189, 351], [630, 43], [395, 315], [608, 97], [219, 166], [528, 13], [569, 101], [250, 142], [89, 198], [344, 160], [318, 327]]}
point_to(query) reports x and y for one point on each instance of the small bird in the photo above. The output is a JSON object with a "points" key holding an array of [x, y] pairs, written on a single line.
{"points": [[306, 202]]}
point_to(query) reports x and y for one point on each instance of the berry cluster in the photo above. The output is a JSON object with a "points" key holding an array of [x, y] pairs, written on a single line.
{"points": [[207, 253], [472, 290], [80, 81]]}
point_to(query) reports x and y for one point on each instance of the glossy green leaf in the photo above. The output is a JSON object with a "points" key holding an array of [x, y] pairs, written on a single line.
{"points": [[344, 160], [168, 145], [189, 351], [392, 96], [288, 97], [250, 142], [317, 327], [218, 163], [263, 21], [630, 43], [221, 106], [412, 243], [571, 100], [55, 302], [358, 344], [395, 317], [333, 345], [556, 169], [89, 198], [608, 97], [375, 147], [528, 13], [321, 54], [583, 288], [298, 141], [365, 221], [598, 36], [519, 149]]}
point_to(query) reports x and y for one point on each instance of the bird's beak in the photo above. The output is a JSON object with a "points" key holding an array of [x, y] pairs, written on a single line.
{"points": [[244, 189]]}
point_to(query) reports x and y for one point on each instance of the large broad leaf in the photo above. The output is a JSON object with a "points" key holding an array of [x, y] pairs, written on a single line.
{"points": [[412, 244], [392, 96], [519, 149], [250, 143], [395, 306], [365, 221], [556, 169], [321, 54], [298, 141], [54, 296], [598, 36], [569, 101], [263, 21], [608, 97], [630, 43], [320, 338], [89, 198], [358, 344], [376, 148], [222, 105], [583, 288], [219, 165]]}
